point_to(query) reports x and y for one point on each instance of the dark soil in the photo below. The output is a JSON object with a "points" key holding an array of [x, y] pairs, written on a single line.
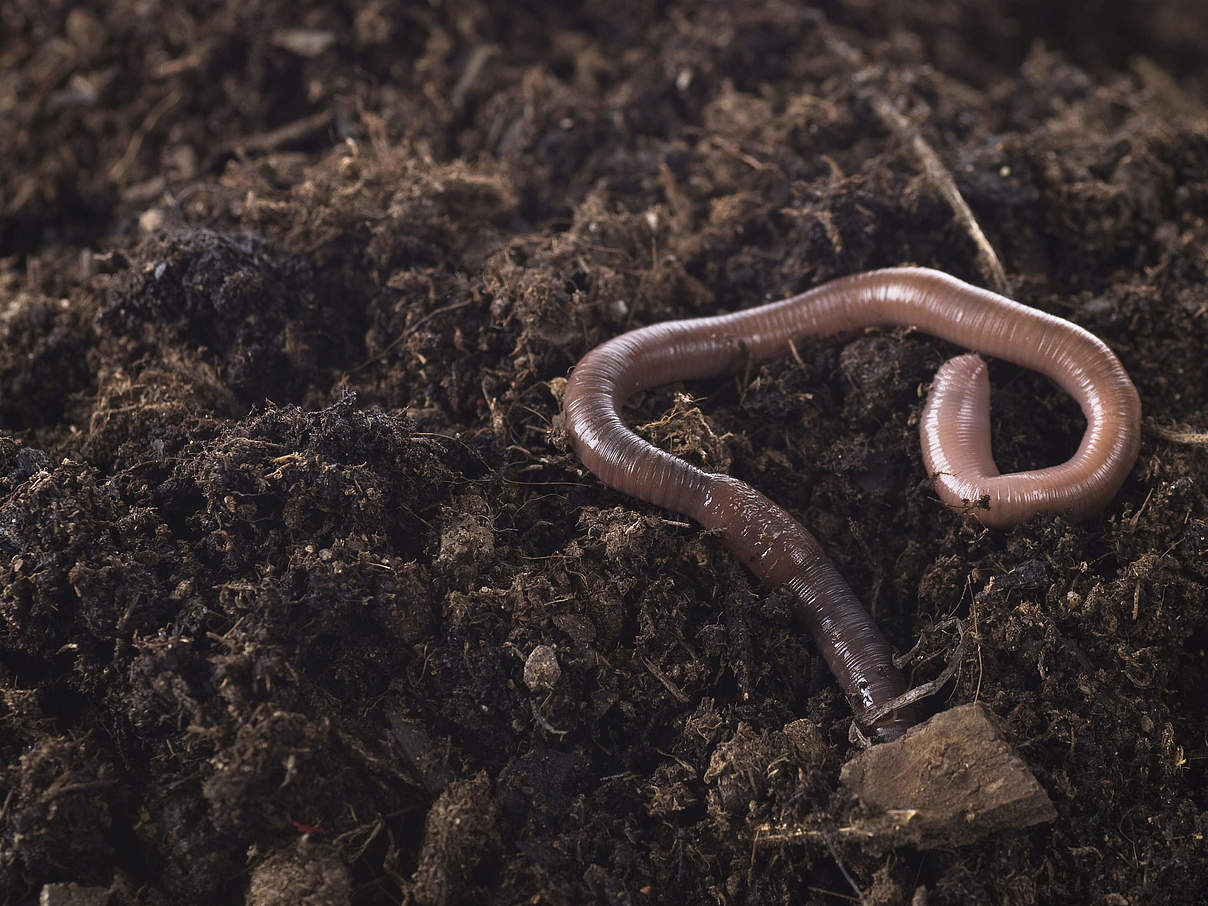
{"points": [[288, 292]]}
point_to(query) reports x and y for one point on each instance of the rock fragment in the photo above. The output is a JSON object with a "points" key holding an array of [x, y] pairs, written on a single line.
{"points": [[950, 781], [541, 670]]}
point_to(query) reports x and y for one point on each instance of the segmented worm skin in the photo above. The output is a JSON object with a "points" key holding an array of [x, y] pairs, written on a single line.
{"points": [[954, 430]]}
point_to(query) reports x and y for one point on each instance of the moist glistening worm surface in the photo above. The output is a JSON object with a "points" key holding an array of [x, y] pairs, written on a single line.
{"points": [[955, 432]]}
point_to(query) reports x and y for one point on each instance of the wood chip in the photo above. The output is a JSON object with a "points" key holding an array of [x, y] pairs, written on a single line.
{"points": [[950, 781]]}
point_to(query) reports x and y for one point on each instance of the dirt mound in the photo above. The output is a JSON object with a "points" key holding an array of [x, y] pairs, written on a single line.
{"points": [[287, 293]]}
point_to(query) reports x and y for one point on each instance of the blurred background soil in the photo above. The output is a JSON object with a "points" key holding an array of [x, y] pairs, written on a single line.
{"points": [[287, 294]]}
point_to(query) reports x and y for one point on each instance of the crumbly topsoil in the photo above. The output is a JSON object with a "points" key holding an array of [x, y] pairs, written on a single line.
{"points": [[287, 292]]}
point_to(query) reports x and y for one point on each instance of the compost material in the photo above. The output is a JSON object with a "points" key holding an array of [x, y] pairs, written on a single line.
{"points": [[303, 595]]}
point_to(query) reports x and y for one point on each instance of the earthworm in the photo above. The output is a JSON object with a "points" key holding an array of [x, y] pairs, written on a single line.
{"points": [[954, 429]]}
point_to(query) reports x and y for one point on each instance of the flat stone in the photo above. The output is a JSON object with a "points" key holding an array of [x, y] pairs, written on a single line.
{"points": [[950, 781]]}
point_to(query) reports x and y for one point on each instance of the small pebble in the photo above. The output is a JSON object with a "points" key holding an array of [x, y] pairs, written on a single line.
{"points": [[541, 670]]}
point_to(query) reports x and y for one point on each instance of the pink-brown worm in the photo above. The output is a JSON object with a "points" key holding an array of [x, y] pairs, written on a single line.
{"points": [[954, 429]]}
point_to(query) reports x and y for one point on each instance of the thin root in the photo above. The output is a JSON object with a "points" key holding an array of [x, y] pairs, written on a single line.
{"points": [[940, 176], [910, 696], [933, 167], [1194, 438]]}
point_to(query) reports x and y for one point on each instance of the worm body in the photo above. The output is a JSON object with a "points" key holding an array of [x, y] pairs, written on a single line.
{"points": [[954, 430]]}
